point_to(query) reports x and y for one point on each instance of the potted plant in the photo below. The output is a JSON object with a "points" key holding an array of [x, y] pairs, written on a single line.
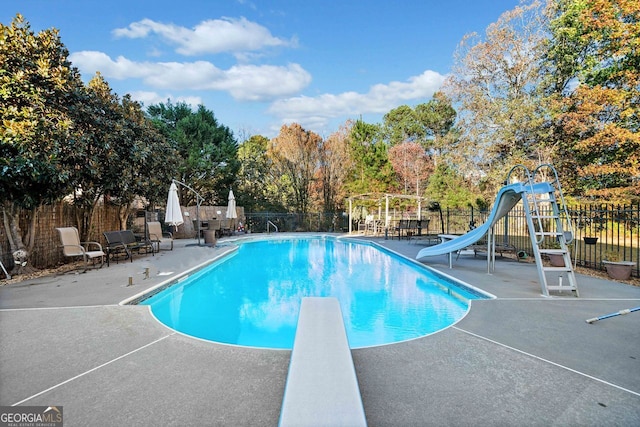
{"points": [[617, 269], [590, 240], [556, 258]]}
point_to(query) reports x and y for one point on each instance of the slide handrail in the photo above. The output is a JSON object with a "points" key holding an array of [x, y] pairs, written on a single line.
{"points": [[558, 187], [530, 178]]}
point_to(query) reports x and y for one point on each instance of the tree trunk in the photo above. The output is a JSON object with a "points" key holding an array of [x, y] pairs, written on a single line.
{"points": [[20, 251], [123, 214]]}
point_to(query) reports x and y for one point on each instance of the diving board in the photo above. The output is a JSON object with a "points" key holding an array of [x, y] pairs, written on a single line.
{"points": [[322, 388]]}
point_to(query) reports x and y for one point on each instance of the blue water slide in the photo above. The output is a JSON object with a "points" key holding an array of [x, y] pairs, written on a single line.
{"points": [[507, 198]]}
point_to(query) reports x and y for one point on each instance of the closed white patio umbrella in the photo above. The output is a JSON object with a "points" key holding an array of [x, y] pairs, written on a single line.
{"points": [[231, 208], [173, 214]]}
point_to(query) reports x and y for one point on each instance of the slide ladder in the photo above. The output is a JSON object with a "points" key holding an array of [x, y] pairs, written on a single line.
{"points": [[545, 217]]}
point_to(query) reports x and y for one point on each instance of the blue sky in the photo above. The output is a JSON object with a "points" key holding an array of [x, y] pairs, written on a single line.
{"points": [[258, 64]]}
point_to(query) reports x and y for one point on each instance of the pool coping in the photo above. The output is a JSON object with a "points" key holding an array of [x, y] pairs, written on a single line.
{"points": [[474, 289], [148, 293], [453, 286]]}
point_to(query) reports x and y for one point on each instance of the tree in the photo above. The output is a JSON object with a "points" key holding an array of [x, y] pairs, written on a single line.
{"points": [[97, 126], [412, 164], [438, 117], [599, 113], [335, 165], [144, 158], [37, 87], [496, 81], [159, 166], [166, 116], [429, 124], [402, 124], [452, 190], [254, 177], [118, 154], [295, 156], [371, 170], [207, 150], [210, 160]]}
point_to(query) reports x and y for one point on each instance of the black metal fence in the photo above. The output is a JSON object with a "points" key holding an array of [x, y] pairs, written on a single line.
{"points": [[598, 230], [260, 222]]}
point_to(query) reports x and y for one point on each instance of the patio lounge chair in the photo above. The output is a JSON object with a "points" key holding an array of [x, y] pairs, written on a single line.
{"points": [[137, 244], [124, 241], [73, 247], [364, 226], [225, 227], [115, 246], [156, 236], [402, 227]]}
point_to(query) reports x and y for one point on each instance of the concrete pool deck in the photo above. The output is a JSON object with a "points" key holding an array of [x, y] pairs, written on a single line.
{"points": [[519, 359]]}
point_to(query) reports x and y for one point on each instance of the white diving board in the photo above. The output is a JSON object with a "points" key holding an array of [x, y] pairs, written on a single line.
{"points": [[322, 388]]}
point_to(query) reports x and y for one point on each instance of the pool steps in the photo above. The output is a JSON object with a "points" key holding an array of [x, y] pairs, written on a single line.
{"points": [[321, 388]]}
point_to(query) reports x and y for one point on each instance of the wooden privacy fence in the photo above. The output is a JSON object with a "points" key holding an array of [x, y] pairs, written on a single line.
{"points": [[46, 252]]}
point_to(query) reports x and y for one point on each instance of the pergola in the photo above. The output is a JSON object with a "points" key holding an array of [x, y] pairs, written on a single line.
{"points": [[378, 197]]}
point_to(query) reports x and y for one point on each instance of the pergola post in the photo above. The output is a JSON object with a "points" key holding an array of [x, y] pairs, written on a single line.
{"points": [[350, 207], [386, 211]]}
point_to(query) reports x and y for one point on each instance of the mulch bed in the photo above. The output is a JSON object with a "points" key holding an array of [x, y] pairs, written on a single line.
{"points": [[64, 268]]}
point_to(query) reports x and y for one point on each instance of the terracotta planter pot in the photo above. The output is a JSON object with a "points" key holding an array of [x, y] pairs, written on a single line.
{"points": [[556, 260], [619, 270]]}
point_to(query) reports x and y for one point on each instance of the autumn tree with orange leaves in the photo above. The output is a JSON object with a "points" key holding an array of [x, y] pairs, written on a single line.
{"points": [[599, 106], [334, 167], [294, 153], [412, 164]]}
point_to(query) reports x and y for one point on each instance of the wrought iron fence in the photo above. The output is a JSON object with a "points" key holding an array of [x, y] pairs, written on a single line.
{"points": [[320, 222], [598, 229]]}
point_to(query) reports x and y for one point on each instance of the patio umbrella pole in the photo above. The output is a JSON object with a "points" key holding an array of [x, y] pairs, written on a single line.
{"points": [[199, 200]]}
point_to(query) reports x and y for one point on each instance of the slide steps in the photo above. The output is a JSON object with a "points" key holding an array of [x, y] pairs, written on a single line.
{"points": [[545, 228]]}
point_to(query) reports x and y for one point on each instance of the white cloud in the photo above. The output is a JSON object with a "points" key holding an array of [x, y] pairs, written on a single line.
{"points": [[243, 82], [89, 62], [150, 98], [380, 99], [210, 36], [259, 82]]}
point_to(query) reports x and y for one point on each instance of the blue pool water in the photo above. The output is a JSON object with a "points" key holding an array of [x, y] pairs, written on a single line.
{"points": [[252, 298]]}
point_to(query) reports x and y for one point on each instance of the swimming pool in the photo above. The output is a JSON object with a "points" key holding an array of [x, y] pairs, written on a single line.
{"points": [[252, 297]]}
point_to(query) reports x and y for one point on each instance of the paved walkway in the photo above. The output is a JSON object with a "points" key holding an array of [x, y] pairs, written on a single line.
{"points": [[519, 359]]}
